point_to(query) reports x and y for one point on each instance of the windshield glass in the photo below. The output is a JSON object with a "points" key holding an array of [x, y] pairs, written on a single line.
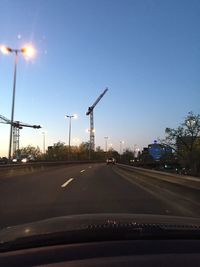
{"points": [[99, 108]]}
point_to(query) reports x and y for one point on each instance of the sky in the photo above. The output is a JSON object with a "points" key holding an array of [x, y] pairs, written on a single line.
{"points": [[147, 52]]}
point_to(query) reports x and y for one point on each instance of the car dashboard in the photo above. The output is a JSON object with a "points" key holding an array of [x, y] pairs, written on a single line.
{"points": [[109, 253]]}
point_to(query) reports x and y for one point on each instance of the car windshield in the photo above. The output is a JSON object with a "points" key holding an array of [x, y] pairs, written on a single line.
{"points": [[99, 108]]}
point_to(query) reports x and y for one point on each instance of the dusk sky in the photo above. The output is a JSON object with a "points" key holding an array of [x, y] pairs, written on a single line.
{"points": [[146, 52]]}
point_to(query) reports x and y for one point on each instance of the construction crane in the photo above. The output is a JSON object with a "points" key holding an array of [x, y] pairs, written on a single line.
{"points": [[90, 112], [17, 126]]}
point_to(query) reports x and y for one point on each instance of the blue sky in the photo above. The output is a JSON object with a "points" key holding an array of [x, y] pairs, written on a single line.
{"points": [[146, 52]]}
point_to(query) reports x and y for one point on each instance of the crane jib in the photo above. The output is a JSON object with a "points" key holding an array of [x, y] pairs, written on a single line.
{"points": [[96, 102], [17, 126]]}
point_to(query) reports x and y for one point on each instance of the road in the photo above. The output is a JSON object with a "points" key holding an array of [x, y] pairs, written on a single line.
{"points": [[90, 188]]}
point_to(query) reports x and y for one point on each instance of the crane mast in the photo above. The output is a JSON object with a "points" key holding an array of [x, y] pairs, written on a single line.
{"points": [[90, 112], [17, 126], [92, 138]]}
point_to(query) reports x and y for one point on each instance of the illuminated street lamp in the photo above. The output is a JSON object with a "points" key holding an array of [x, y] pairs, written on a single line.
{"points": [[70, 118], [191, 122], [5, 50], [136, 151], [29, 52], [110, 146]]}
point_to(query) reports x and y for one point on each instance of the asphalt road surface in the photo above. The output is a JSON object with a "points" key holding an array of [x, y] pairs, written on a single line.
{"points": [[90, 188]]}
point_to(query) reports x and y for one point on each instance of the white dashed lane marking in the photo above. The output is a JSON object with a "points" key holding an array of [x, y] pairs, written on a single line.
{"points": [[82, 171], [66, 183]]}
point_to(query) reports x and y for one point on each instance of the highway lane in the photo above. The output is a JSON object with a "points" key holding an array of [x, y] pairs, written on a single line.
{"points": [[90, 188]]}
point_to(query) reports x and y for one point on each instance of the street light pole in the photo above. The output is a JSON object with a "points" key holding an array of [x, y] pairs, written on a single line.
{"points": [[121, 143], [13, 103], [44, 146], [70, 120], [106, 143], [29, 52], [120, 149], [69, 144]]}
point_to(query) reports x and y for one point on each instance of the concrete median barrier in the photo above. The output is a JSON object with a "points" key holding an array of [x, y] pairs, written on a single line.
{"points": [[8, 170]]}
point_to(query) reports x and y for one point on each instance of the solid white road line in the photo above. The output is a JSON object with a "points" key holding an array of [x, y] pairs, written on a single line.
{"points": [[65, 184], [82, 171]]}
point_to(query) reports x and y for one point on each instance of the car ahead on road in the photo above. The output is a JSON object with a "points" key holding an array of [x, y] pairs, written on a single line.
{"points": [[24, 160], [110, 161], [103, 240], [3, 160]]}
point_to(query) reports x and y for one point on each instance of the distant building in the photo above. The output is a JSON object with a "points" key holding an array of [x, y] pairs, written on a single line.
{"points": [[157, 151]]}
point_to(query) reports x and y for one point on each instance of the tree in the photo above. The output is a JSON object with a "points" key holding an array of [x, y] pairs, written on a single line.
{"points": [[30, 152], [127, 156], [99, 149], [84, 146], [99, 154], [145, 158], [186, 135], [84, 149], [58, 151], [185, 141]]}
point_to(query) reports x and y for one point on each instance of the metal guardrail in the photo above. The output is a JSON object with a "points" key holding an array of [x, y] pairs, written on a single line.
{"points": [[43, 163], [188, 181], [187, 177]]}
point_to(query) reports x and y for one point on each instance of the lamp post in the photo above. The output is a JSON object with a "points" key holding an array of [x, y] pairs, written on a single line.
{"points": [[29, 52], [44, 146], [70, 118], [136, 151], [120, 148], [106, 143], [121, 143], [191, 122], [110, 146]]}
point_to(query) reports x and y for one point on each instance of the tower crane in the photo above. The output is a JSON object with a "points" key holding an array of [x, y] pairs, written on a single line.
{"points": [[17, 126], [90, 112]]}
